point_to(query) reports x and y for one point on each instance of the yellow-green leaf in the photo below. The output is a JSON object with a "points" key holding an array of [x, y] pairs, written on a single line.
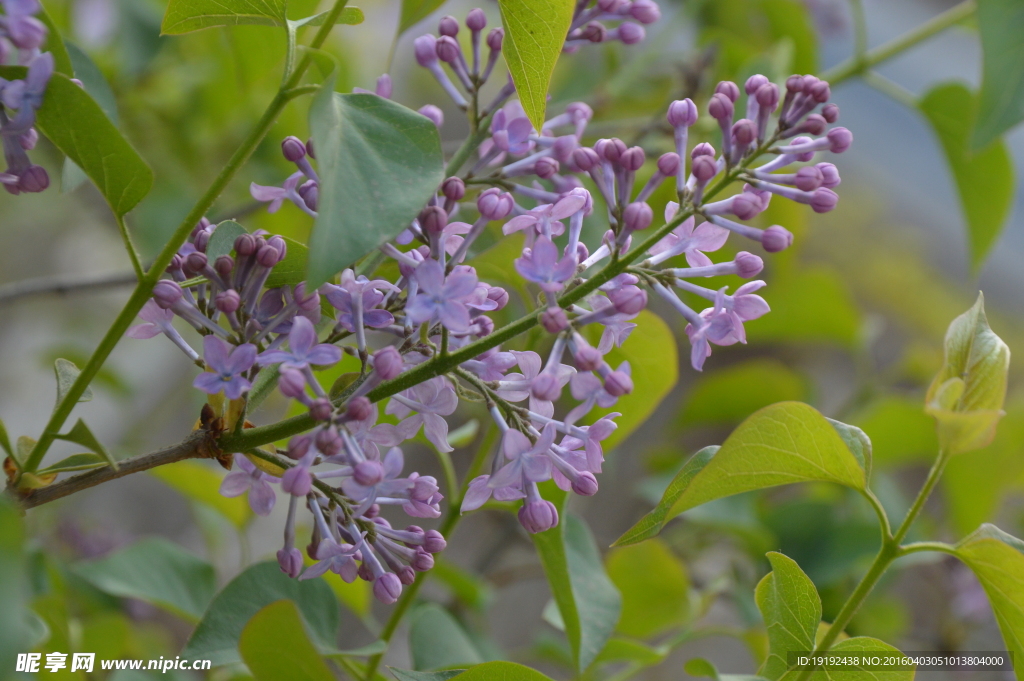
{"points": [[201, 484], [185, 16], [657, 601], [275, 645], [535, 32]]}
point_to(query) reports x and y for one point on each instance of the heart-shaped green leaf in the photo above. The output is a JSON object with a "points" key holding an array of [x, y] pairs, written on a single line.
{"points": [[274, 645]]}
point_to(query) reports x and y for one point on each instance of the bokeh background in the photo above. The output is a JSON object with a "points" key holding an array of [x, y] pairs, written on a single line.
{"points": [[860, 305]]}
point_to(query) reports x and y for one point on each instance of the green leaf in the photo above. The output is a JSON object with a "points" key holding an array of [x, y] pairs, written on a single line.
{"points": [[1001, 100], [96, 85], [415, 11], [201, 484], [535, 32], [222, 241], [858, 646], [653, 357], [984, 178], [410, 675], [779, 445], [966, 397], [813, 305], [698, 666], [216, 637], [901, 432], [67, 373], [263, 385], [379, 163], [628, 650], [658, 601], [76, 125], [732, 393], [5, 440], [791, 609], [81, 435], [274, 645], [75, 462], [291, 270], [997, 559], [501, 671], [185, 16], [156, 571], [587, 599], [437, 640]]}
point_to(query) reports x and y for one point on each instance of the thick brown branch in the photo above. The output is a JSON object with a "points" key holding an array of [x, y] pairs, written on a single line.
{"points": [[198, 445]]}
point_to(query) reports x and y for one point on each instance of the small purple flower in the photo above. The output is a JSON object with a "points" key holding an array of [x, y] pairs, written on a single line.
{"points": [[528, 461], [430, 401], [517, 387], [304, 349], [441, 299], [338, 558], [389, 485], [227, 365], [544, 219], [479, 492], [688, 240], [250, 479], [27, 95], [23, 29], [542, 265]]}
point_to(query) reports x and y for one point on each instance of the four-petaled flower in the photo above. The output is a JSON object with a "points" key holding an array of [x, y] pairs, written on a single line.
{"points": [[338, 558], [250, 479], [542, 265], [440, 298], [304, 350], [226, 364], [528, 461], [686, 239]]}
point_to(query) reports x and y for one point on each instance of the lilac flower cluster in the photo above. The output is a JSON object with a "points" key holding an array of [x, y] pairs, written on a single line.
{"points": [[350, 464], [23, 33]]}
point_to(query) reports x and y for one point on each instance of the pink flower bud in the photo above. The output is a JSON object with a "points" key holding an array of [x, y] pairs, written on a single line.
{"points": [[830, 112], [585, 158], [585, 484], [290, 561], [223, 265], [293, 149], [447, 49], [829, 175], [632, 159], [299, 446], [746, 205], [493, 204], [611, 149], [628, 300], [618, 383], [433, 542], [824, 200], [498, 295], [425, 49], [545, 387], [630, 33], [328, 441], [196, 261], [476, 20], [808, 179], [166, 293], [494, 38], [553, 320], [387, 588], [645, 11], [245, 245], [201, 241], [546, 167], [638, 215], [227, 301], [668, 164], [359, 409], [297, 481], [368, 473], [292, 383], [435, 114], [538, 516], [729, 89], [743, 132], [702, 149], [387, 362], [268, 256], [588, 358], [449, 26], [321, 409], [720, 107], [422, 561], [682, 113], [704, 168], [841, 139], [594, 31], [453, 188], [406, 575], [768, 96], [795, 84], [776, 238], [433, 219], [748, 265]]}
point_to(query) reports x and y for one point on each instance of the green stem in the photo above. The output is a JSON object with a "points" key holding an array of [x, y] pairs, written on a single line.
{"points": [[890, 551], [471, 143], [145, 286], [860, 28], [858, 64], [129, 245]]}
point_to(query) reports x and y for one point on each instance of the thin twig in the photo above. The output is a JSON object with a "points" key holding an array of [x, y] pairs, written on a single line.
{"points": [[64, 284]]}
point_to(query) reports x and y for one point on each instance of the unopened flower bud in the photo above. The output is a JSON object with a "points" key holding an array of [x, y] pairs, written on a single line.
{"points": [[808, 179], [754, 83], [585, 158], [612, 149], [268, 256], [293, 149], [195, 261], [432, 112], [425, 49], [545, 387], [841, 139], [585, 484], [632, 159], [321, 409], [795, 83], [645, 11], [387, 362], [34, 179], [824, 200], [166, 293], [494, 38], [476, 20], [447, 49], [588, 358], [310, 193], [498, 295], [630, 33], [359, 409], [290, 561], [30, 138], [245, 244], [422, 561], [819, 91], [309, 149], [406, 575], [829, 175], [814, 124], [628, 300], [493, 204], [387, 588], [453, 188], [223, 265], [367, 473], [720, 107], [746, 206], [291, 382], [449, 26], [433, 542], [768, 96], [201, 241], [227, 301], [594, 31], [482, 326], [830, 112], [682, 113], [538, 516], [545, 167], [702, 149], [297, 481], [776, 239], [743, 132], [704, 168], [553, 320], [668, 164], [299, 446], [329, 441], [638, 215], [728, 88], [433, 219], [618, 383], [748, 265]]}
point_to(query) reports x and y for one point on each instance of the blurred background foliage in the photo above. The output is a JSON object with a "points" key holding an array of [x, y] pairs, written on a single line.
{"points": [[860, 304]]}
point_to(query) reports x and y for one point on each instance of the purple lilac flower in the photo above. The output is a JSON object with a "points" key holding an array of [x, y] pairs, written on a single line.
{"points": [[304, 350], [441, 299], [226, 364], [427, 403], [252, 480], [542, 265]]}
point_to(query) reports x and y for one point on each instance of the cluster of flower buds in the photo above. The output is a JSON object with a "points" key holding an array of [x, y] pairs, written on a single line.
{"points": [[589, 23], [19, 99], [349, 465]]}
